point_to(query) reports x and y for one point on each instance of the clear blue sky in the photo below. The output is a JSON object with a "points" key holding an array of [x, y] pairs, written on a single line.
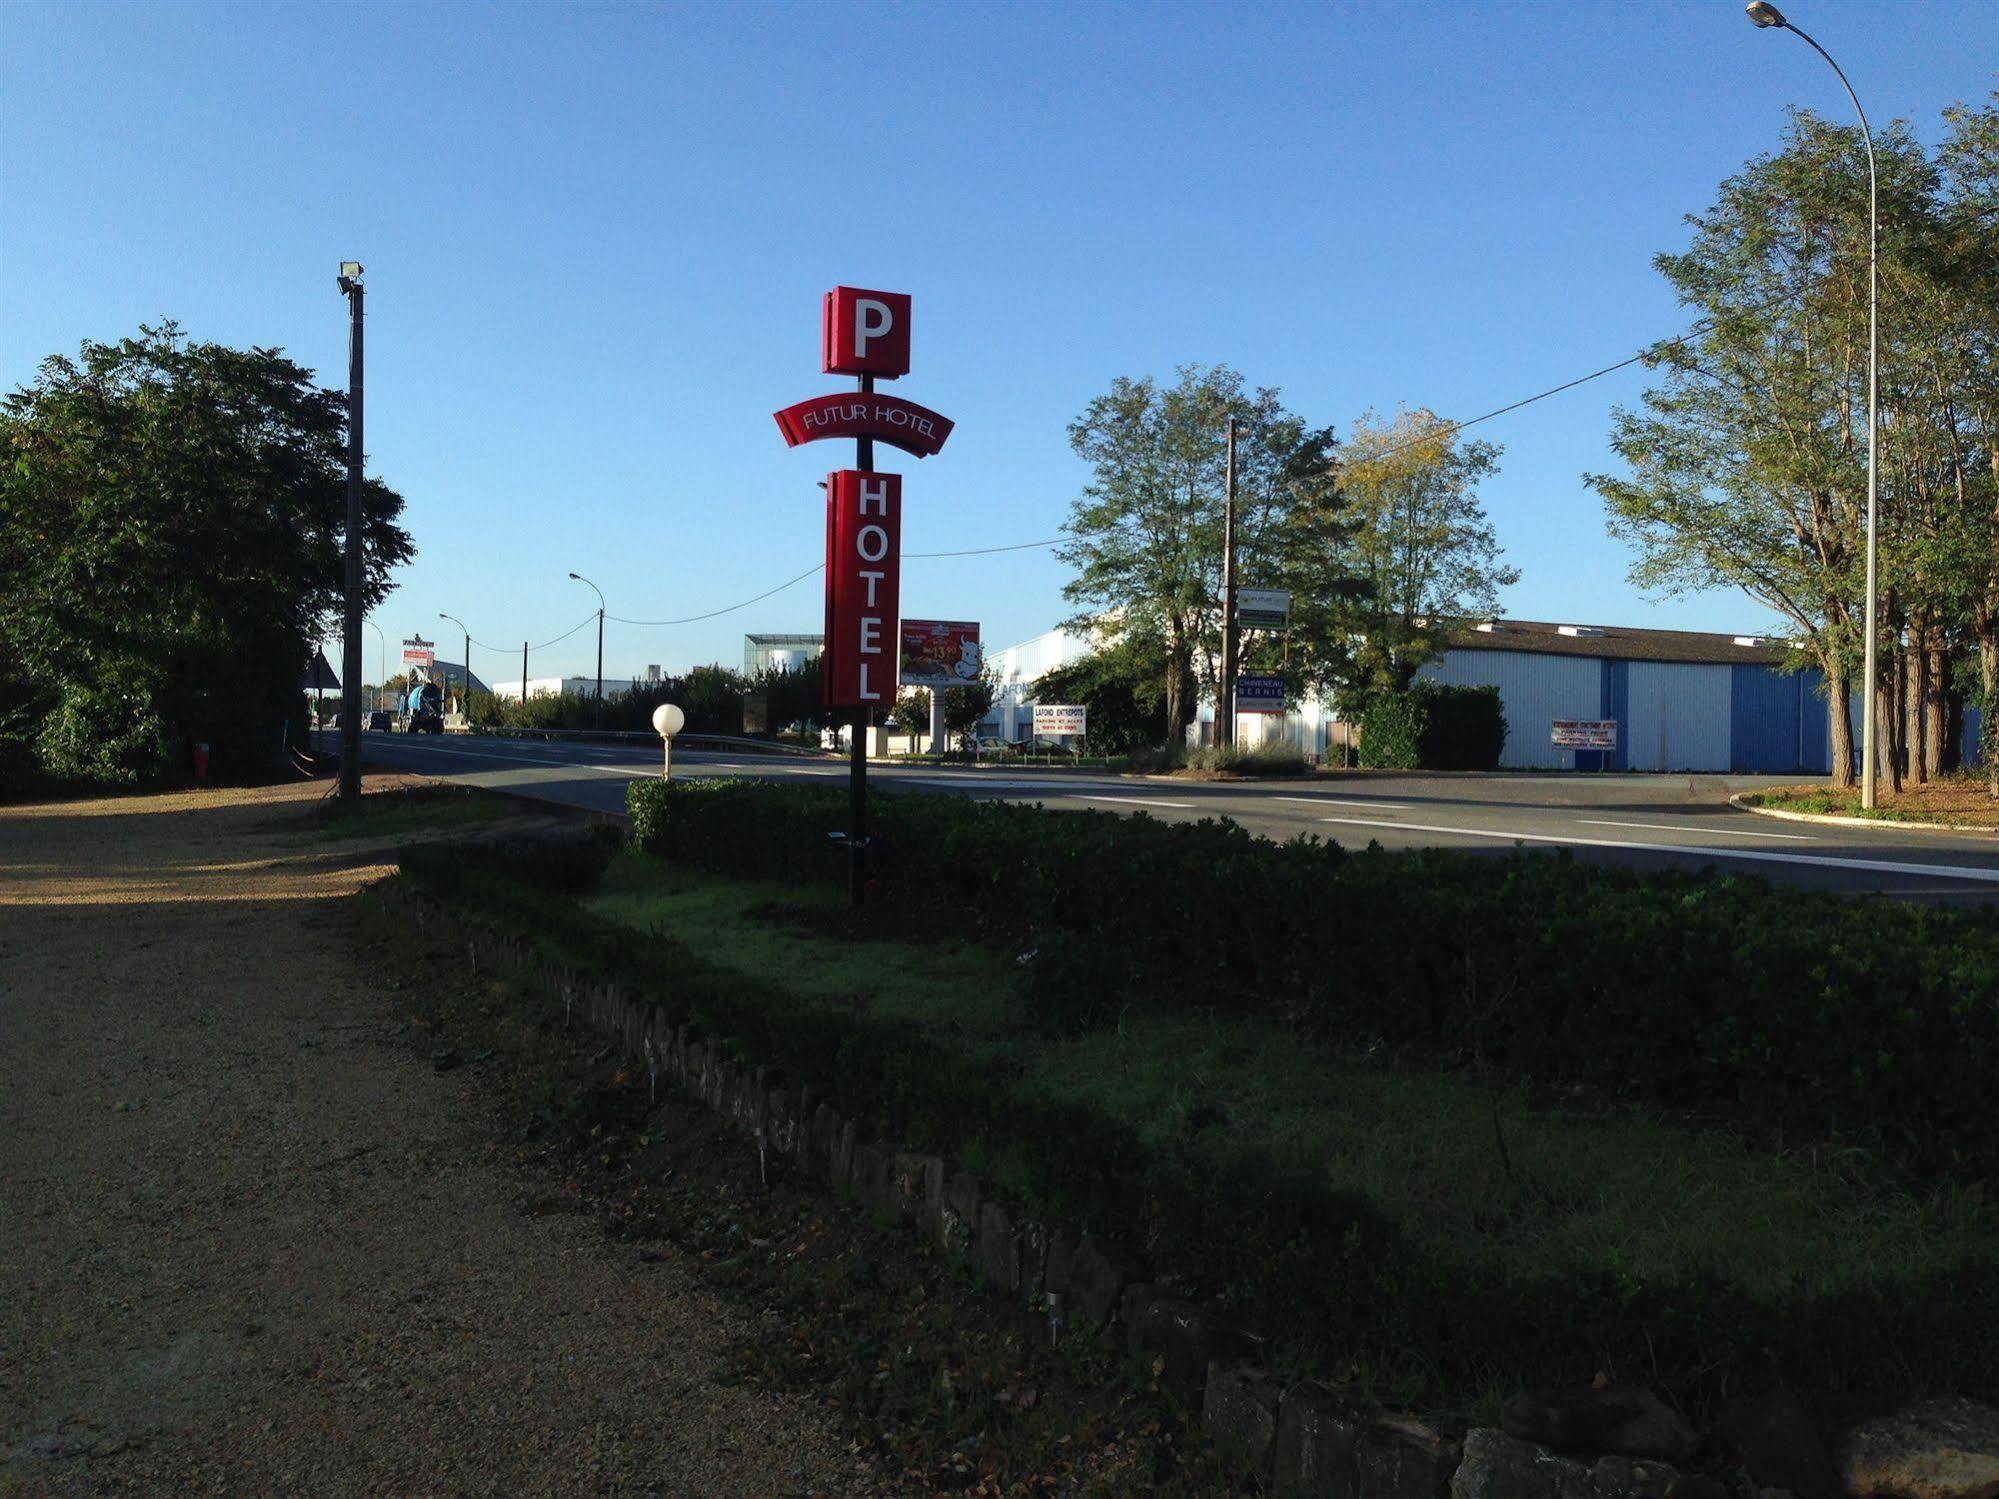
{"points": [[596, 238]]}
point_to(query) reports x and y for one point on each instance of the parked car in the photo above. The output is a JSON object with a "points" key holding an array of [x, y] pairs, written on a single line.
{"points": [[381, 720]]}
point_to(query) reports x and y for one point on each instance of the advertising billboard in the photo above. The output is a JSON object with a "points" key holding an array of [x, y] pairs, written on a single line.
{"points": [[939, 653], [1060, 720], [1263, 608], [1585, 733], [420, 652]]}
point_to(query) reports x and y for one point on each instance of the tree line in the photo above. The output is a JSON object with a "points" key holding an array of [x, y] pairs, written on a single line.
{"points": [[171, 529], [1381, 540], [1746, 464]]}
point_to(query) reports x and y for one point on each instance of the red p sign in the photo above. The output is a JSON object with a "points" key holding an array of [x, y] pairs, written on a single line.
{"points": [[863, 588], [865, 332]]}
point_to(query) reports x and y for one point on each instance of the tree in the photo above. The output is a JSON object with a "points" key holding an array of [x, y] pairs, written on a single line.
{"points": [[1421, 544], [1747, 466], [1146, 533], [170, 532], [1124, 688]]}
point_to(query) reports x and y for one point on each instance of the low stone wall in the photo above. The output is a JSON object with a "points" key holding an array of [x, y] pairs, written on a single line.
{"points": [[1615, 1443]]}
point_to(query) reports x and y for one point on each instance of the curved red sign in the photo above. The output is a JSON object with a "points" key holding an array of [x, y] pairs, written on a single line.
{"points": [[899, 423]]}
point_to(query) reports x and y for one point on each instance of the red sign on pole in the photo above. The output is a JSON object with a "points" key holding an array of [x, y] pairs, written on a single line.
{"points": [[865, 332], [863, 587], [903, 424]]}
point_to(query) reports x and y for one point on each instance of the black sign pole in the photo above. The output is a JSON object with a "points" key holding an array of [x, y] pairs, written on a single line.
{"points": [[857, 817]]}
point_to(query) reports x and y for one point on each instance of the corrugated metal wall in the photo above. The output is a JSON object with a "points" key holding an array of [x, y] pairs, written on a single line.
{"points": [[1679, 717], [1536, 690]]}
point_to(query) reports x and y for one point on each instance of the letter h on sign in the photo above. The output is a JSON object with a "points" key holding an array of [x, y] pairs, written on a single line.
{"points": [[865, 332], [863, 588]]}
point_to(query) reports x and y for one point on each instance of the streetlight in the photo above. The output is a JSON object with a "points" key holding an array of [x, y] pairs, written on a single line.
{"points": [[1768, 17], [600, 644], [465, 686], [350, 645], [381, 660]]}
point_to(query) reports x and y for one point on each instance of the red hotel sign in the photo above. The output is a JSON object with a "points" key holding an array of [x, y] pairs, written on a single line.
{"points": [[890, 419], [864, 333], [863, 587]]}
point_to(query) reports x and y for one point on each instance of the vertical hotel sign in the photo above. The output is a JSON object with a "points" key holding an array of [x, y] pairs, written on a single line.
{"points": [[863, 587], [864, 333]]}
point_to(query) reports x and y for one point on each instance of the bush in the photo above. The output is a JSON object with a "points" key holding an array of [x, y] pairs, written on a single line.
{"points": [[1811, 1010], [1434, 727], [1328, 1273], [1268, 761]]}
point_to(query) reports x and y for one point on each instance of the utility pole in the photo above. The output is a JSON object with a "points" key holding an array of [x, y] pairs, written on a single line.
{"points": [[350, 654], [1225, 696], [578, 577], [524, 676], [857, 763]]}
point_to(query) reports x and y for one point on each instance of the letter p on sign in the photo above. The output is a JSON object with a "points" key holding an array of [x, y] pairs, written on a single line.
{"points": [[865, 332]]}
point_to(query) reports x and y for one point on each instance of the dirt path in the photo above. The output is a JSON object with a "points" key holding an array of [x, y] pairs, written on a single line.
{"points": [[249, 1243]]}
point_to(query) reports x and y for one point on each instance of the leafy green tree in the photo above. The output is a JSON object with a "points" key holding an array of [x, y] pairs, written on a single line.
{"points": [[1124, 687], [965, 707], [1747, 466], [1420, 544], [171, 521], [1146, 533]]}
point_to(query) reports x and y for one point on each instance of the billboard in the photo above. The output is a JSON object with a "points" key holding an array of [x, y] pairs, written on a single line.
{"points": [[1585, 733], [939, 653], [420, 652], [1058, 720], [863, 587]]}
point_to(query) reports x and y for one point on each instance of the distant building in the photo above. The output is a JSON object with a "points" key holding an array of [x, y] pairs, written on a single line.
{"points": [[762, 653], [1682, 700], [1015, 670], [556, 686]]}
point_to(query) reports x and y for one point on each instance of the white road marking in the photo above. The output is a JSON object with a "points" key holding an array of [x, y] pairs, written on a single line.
{"points": [[1870, 866], [1666, 827], [1340, 801], [1136, 801]]}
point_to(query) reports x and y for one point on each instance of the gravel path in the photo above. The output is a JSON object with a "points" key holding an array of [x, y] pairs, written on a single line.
{"points": [[249, 1243]]}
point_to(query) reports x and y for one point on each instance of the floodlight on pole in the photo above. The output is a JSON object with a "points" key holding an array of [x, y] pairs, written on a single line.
{"points": [[1767, 16], [465, 685]]}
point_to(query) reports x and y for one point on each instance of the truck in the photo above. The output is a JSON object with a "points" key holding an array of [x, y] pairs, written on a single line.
{"points": [[423, 708]]}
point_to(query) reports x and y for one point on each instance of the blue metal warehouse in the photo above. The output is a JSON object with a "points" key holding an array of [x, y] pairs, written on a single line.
{"points": [[1682, 700]]}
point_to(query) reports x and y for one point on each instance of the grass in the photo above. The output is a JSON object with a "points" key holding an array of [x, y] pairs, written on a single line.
{"points": [[1488, 1178], [414, 809], [1961, 800]]}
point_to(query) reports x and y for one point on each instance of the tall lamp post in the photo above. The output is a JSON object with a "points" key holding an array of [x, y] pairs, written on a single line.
{"points": [[350, 654], [1767, 16], [600, 644], [465, 685]]}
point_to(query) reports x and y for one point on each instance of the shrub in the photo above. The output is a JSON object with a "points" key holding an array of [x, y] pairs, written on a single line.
{"points": [[1812, 1010], [1268, 761], [1434, 727]]}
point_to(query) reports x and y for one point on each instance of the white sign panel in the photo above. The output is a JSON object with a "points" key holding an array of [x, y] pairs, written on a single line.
{"points": [[420, 652], [1265, 608], [1585, 733], [1055, 720]]}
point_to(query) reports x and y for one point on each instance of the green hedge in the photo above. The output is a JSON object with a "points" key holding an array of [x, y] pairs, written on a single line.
{"points": [[1334, 1280], [1871, 1019], [1434, 727]]}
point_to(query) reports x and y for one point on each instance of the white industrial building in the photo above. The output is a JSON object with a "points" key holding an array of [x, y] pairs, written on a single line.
{"points": [[1682, 700]]}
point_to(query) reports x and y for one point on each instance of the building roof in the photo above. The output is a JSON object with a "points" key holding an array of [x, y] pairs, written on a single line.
{"points": [[1620, 643]]}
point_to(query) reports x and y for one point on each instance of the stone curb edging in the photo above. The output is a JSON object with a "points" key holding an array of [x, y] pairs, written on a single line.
{"points": [[1876, 824], [1296, 1441]]}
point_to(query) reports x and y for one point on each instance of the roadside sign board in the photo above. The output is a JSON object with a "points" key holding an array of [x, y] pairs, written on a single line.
{"points": [[1057, 720], [420, 652], [1585, 733], [1263, 608], [1259, 694], [939, 653]]}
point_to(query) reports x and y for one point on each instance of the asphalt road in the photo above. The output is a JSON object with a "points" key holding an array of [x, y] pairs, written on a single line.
{"points": [[1642, 820]]}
